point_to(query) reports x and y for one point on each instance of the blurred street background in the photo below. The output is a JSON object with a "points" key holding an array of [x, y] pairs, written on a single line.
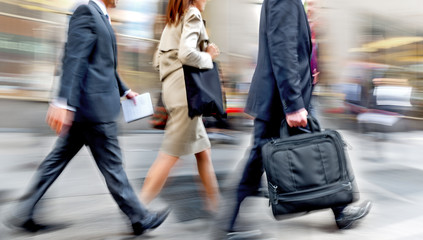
{"points": [[370, 57]]}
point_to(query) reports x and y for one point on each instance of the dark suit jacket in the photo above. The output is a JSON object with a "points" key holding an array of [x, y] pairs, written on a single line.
{"points": [[282, 80], [90, 82]]}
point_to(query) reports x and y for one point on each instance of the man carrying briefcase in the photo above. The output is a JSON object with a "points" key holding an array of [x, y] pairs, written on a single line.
{"points": [[281, 89]]}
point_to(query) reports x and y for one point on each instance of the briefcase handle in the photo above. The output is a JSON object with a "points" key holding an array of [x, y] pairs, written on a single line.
{"points": [[312, 126]]}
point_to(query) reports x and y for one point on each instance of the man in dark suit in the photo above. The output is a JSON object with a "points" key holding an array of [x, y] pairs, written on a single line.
{"points": [[84, 113], [281, 88]]}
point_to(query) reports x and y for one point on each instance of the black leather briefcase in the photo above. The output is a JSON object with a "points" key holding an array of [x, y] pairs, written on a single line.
{"points": [[308, 171]]}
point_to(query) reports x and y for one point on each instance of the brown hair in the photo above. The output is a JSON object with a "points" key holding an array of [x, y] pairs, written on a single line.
{"points": [[176, 9]]}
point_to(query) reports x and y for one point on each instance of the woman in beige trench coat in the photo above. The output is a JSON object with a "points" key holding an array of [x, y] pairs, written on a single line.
{"points": [[183, 42]]}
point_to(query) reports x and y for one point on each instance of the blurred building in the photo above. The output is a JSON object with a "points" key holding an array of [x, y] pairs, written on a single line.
{"points": [[363, 41], [358, 42], [30, 35], [33, 33]]}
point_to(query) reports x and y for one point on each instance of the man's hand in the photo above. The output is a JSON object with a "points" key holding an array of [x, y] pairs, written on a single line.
{"points": [[297, 119], [59, 119], [132, 95]]}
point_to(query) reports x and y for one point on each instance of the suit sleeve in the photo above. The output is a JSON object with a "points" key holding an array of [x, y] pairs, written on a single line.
{"points": [[188, 53], [282, 35], [79, 46], [122, 86]]}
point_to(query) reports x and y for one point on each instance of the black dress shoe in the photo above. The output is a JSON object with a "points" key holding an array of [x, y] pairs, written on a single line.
{"points": [[150, 222], [31, 226], [351, 214]]}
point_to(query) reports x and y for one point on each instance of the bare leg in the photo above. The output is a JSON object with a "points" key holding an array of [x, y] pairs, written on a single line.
{"points": [[208, 178], [156, 177]]}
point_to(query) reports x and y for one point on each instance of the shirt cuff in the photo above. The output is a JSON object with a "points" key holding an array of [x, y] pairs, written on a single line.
{"points": [[126, 92], [208, 61], [62, 103]]}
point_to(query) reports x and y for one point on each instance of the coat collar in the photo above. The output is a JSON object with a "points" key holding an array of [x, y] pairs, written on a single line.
{"points": [[108, 26], [100, 6]]}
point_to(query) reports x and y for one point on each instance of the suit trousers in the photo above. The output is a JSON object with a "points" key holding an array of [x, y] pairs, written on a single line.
{"points": [[101, 138], [254, 169]]}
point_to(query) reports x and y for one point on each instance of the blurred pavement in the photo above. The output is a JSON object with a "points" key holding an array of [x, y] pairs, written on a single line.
{"points": [[389, 172]]}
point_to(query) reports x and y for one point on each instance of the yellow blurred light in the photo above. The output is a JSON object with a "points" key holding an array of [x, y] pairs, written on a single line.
{"points": [[58, 4], [63, 4], [411, 59], [386, 44], [392, 42], [36, 8], [391, 81], [45, 2], [363, 49]]}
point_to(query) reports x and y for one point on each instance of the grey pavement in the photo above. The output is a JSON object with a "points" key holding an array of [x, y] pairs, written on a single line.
{"points": [[389, 172], [80, 197], [388, 168]]}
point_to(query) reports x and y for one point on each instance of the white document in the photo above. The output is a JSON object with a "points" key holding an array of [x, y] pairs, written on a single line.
{"points": [[143, 108]]}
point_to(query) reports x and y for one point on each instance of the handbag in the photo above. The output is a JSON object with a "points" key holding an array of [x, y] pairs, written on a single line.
{"points": [[308, 171], [204, 91]]}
